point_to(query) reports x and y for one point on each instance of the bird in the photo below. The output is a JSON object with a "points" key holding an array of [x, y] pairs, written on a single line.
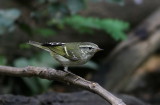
{"points": [[70, 53]]}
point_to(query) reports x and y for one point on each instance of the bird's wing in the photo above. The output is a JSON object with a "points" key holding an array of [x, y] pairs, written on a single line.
{"points": [[37, 44], [61, 49]]}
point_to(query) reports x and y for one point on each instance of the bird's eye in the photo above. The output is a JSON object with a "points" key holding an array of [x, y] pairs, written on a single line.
{"points": [[90, 48]]}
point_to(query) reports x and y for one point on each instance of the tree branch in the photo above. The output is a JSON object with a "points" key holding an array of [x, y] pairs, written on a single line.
{"points": [[52, 74]]}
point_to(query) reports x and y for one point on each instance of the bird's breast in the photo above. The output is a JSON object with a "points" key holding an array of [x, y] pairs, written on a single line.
{"points": [[66, 62]]}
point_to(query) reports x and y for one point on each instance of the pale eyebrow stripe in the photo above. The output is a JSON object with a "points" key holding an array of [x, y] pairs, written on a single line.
{"points": [[84, 46], [65, 49]]}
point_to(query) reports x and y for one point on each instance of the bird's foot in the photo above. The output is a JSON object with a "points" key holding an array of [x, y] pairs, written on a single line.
{"points": [[66, 70], [71, 73]]}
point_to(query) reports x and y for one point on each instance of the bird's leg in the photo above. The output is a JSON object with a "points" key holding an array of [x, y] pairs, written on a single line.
{"points": [[66, 70]]}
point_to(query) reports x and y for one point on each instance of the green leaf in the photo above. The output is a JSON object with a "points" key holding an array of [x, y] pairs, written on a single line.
{"points": [[44, 32], [115, 28], [24, 46], [26, 28], [3, 60]]}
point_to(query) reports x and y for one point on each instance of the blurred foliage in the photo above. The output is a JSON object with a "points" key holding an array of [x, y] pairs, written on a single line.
{"points": [[44, 32], [64, 16], [92, 65], [3, 60], [37, 85], [115, 28], [24, 46], [75, 6], [7, 20], [61, 14], [43, 60], [120, 2]]}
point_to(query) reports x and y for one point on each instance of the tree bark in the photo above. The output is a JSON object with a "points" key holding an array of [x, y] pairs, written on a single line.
{"points": [[68, 78]]}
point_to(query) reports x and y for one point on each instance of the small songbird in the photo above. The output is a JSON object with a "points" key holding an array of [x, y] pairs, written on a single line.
{"points": [[69, 54]]}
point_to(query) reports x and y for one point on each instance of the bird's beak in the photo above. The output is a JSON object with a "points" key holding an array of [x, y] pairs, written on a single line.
{"points": [[99, 49]]}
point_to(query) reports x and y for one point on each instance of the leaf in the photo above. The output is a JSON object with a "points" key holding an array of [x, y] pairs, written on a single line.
{"points": [[3, 60], [44, 32], [26, 28], [24, 46], [115, 28]]}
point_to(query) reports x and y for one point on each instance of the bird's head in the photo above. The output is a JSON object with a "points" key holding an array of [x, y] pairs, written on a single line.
{"points": [[89, 49]]}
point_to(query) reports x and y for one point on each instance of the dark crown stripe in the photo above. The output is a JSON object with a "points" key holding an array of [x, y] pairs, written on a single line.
{"points": [[53, 44]]}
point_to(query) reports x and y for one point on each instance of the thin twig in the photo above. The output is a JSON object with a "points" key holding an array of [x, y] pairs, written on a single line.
{"points": [[52, 74]]}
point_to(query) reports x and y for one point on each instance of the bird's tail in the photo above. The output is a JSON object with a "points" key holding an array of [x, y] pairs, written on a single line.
{"points": [[39, 45]]}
